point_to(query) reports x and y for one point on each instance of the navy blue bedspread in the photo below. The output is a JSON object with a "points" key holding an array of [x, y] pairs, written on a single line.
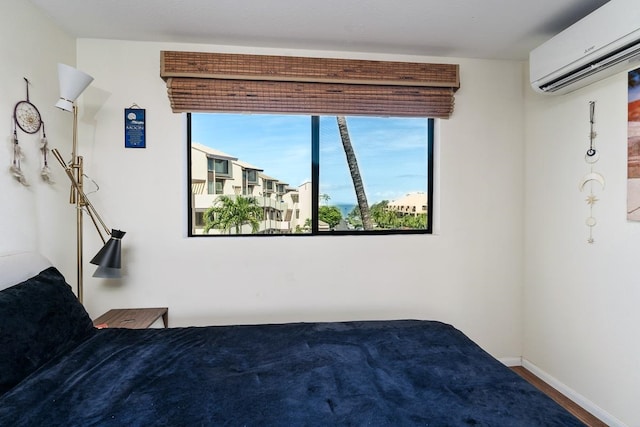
{"points": [[380, 373]]}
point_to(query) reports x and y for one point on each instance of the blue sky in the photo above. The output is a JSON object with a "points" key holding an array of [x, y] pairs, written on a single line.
{"points": [[391, 152]]}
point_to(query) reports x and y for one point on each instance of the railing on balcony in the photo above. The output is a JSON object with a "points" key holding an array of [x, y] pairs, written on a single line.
{"points": [[267, 225], [205, 201]]}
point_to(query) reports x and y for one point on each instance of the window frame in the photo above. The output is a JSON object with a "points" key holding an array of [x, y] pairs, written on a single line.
{"points": [[315, 193], [217, 160]]}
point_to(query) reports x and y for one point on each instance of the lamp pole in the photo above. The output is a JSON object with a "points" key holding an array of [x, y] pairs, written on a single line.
{"points": [[77, 171]]}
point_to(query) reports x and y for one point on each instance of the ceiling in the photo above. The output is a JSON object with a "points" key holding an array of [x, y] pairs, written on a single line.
{"points": [[492, 29]]}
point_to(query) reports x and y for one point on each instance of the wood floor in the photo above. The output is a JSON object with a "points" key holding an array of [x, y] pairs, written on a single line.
{"points": [[560, 398]]}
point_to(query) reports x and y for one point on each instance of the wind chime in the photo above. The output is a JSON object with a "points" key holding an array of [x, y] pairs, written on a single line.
{"points": [[27, 117], [591, 157]]}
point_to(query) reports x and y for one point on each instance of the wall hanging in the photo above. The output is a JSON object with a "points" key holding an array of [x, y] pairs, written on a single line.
{"points": [[135, 127], [26, 116], [591, 158]]}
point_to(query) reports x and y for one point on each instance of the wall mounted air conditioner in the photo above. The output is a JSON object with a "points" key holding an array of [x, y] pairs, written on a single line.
{"points": [[604, 42]]}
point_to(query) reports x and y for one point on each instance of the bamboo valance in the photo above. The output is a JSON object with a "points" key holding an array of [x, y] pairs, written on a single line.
{"points": [[213, 82]]}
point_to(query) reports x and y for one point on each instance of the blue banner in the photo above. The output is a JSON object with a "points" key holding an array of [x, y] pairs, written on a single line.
{"points": [[134, 128]]}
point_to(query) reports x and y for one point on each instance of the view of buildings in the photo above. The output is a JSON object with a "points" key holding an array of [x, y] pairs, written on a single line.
{"points": [[286, 209], [214, 173], [411, 204]]}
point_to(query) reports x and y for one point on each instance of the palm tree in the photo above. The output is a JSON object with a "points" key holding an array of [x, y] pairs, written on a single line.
{"points": [[355, 173], [325, 198], [233, 212], [382, 216]]}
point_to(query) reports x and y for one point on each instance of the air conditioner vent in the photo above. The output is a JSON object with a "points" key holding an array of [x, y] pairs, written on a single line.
{"points": [[621, 56], [601, 44]]}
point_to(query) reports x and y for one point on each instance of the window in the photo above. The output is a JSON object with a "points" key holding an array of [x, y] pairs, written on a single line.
{"points": [[218, 188], [296, 174], [252, 177], [219, 166], [199, 221]]}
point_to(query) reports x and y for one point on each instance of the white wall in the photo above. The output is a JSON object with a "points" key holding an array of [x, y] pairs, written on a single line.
{"points": [[581, 300], [33, 218], [470, 274]]}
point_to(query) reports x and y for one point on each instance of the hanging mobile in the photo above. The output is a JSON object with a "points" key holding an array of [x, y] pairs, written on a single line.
{"points": [[592, 155], [26, 115]]}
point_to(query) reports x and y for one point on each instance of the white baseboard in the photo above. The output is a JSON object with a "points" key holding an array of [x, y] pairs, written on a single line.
{"points": [[511, 361], [585, 403]]}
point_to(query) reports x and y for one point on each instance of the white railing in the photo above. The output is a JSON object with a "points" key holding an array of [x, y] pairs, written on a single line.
{"points": [[205, 201]]}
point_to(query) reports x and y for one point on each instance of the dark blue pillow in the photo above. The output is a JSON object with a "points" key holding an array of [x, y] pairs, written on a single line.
{"points": [[40, 319]]}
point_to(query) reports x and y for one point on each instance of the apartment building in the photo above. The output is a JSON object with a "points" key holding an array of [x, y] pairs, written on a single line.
{"points": [[215, 173]]}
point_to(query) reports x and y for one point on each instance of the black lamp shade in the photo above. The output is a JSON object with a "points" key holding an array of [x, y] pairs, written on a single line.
{"points": [[109, 255]]}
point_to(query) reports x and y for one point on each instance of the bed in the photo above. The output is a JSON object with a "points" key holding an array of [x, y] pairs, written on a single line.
{"points": [[56, 369]]}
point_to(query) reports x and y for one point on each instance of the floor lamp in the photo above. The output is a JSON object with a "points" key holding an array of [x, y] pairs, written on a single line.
{"points": [[72, 83]]}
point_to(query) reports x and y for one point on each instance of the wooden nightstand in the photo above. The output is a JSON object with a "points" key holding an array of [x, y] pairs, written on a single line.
{"points": [[132, 318]]}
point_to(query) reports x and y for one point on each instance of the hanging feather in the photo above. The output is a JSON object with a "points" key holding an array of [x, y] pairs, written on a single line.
{"points": [[45, 173], [17, 156]]}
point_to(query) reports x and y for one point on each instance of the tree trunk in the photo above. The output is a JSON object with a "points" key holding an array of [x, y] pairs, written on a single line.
{"points": [[355, 173]]}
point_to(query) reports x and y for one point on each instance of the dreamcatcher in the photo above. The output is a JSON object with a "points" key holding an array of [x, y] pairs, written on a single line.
{"points": [[27, 117]]}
